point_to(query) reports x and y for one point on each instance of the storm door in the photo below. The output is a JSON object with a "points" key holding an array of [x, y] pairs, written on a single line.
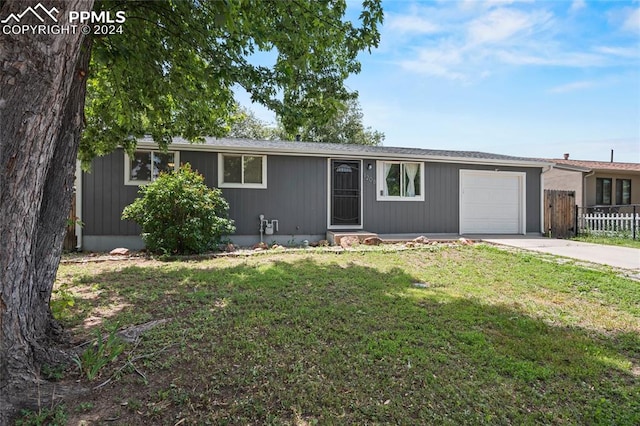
{"points": [[345, 194]]}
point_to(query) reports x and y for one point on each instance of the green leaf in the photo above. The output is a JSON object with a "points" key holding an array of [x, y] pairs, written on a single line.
{"points": [[173, 70]]}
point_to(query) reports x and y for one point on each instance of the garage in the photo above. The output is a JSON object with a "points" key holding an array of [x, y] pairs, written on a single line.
{"points": [[492, 202]]}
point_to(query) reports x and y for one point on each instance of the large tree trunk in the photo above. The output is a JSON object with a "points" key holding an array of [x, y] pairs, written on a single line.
{"points": [[42, 90]]}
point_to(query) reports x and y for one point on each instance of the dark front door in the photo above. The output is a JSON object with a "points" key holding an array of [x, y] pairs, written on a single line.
{"points": [[345, 193]]}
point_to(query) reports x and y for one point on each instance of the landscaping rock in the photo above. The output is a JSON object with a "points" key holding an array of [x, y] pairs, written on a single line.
{"points": [[260, 246], [323, 243], [230, 248], [372, 241], [421, 240], [422, 285], [277, 247], [465, 242], [349, 241], [120, 251]]}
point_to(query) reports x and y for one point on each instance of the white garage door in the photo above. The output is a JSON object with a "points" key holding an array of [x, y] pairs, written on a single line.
{"points": [[492, 202]]}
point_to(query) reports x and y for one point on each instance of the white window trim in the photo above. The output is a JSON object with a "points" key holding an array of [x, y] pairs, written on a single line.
{"points": [[127, 166], [380, 181], [222, 184]]}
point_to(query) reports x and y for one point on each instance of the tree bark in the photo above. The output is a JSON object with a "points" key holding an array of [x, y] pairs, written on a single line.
{"points": [[42, 91]]}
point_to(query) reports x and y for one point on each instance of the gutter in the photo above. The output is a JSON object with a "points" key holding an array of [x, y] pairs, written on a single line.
{"points": [[342, 154], [545, 169], [584, 187]]}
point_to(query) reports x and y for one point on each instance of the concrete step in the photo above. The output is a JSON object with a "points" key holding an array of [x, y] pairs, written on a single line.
{"points": [[334, 237]]}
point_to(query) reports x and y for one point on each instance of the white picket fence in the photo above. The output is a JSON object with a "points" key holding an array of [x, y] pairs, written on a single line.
{"points": [[614, 223]]}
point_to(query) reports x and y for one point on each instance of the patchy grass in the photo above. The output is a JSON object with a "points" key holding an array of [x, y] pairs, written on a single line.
{"points": [[54, 416], [611, 241], [488, 337]]}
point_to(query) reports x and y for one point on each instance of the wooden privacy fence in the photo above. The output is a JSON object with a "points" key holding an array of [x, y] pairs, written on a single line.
{"points": [[610, 222], [70, 239], [560, 213]]}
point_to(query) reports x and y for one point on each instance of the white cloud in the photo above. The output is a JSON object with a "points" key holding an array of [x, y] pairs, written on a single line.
{"points": [[474, 40], [572, 87], [411, 24], [577, 5], [632, 21], [438, 62], [503, 24], [551, 58], [626, 19], [493, 3], [465, 50], [623, 52], [488, 4]]}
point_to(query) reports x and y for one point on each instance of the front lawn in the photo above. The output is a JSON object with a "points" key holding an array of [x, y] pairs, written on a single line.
{"points": [[439, 335], [612, 241]]}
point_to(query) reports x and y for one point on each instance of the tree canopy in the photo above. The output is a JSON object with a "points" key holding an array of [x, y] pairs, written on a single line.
{"points": [[245, 124], [346, 126], [173, 70]]}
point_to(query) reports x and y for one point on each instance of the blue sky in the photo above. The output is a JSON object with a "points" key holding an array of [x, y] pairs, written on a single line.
{"points": [[524, 78]]}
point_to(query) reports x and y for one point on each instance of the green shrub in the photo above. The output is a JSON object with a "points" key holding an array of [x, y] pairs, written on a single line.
{"points": [[180, 214]]}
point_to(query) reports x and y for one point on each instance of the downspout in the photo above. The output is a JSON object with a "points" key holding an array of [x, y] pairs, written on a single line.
{"points": [[584, 198], [78, 218], [584, 187], [542, 206]]}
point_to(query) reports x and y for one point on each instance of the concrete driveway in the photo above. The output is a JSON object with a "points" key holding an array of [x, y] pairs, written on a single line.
{"points": [[618, 257]]}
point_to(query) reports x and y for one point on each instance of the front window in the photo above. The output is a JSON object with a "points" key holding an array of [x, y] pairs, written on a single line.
{"points": [[145, 166], [603, 191], [242, 171], [400, 180], [623, 191]]}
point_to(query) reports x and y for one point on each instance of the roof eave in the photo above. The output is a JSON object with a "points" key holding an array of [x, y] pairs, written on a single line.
{"points": [[184, 145], [571, 168], [616, 170]]}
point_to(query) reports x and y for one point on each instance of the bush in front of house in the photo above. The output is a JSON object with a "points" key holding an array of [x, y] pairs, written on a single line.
{"points": [[180, 214]]}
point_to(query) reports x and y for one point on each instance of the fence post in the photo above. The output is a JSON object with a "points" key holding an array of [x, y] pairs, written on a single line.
{"points": [[634, 222]]}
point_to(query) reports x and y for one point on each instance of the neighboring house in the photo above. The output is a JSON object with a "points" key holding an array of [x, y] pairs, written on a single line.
{"points": [[596, 183], [312, 188]]}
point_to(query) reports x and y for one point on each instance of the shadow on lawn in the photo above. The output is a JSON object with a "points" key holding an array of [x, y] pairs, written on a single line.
{"points": [[381, 350]]}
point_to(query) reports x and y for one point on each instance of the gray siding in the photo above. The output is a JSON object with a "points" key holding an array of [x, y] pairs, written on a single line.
{"points": [[104, 195], [205, 163], [534, 201], [296, 195], [439, 213]]}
